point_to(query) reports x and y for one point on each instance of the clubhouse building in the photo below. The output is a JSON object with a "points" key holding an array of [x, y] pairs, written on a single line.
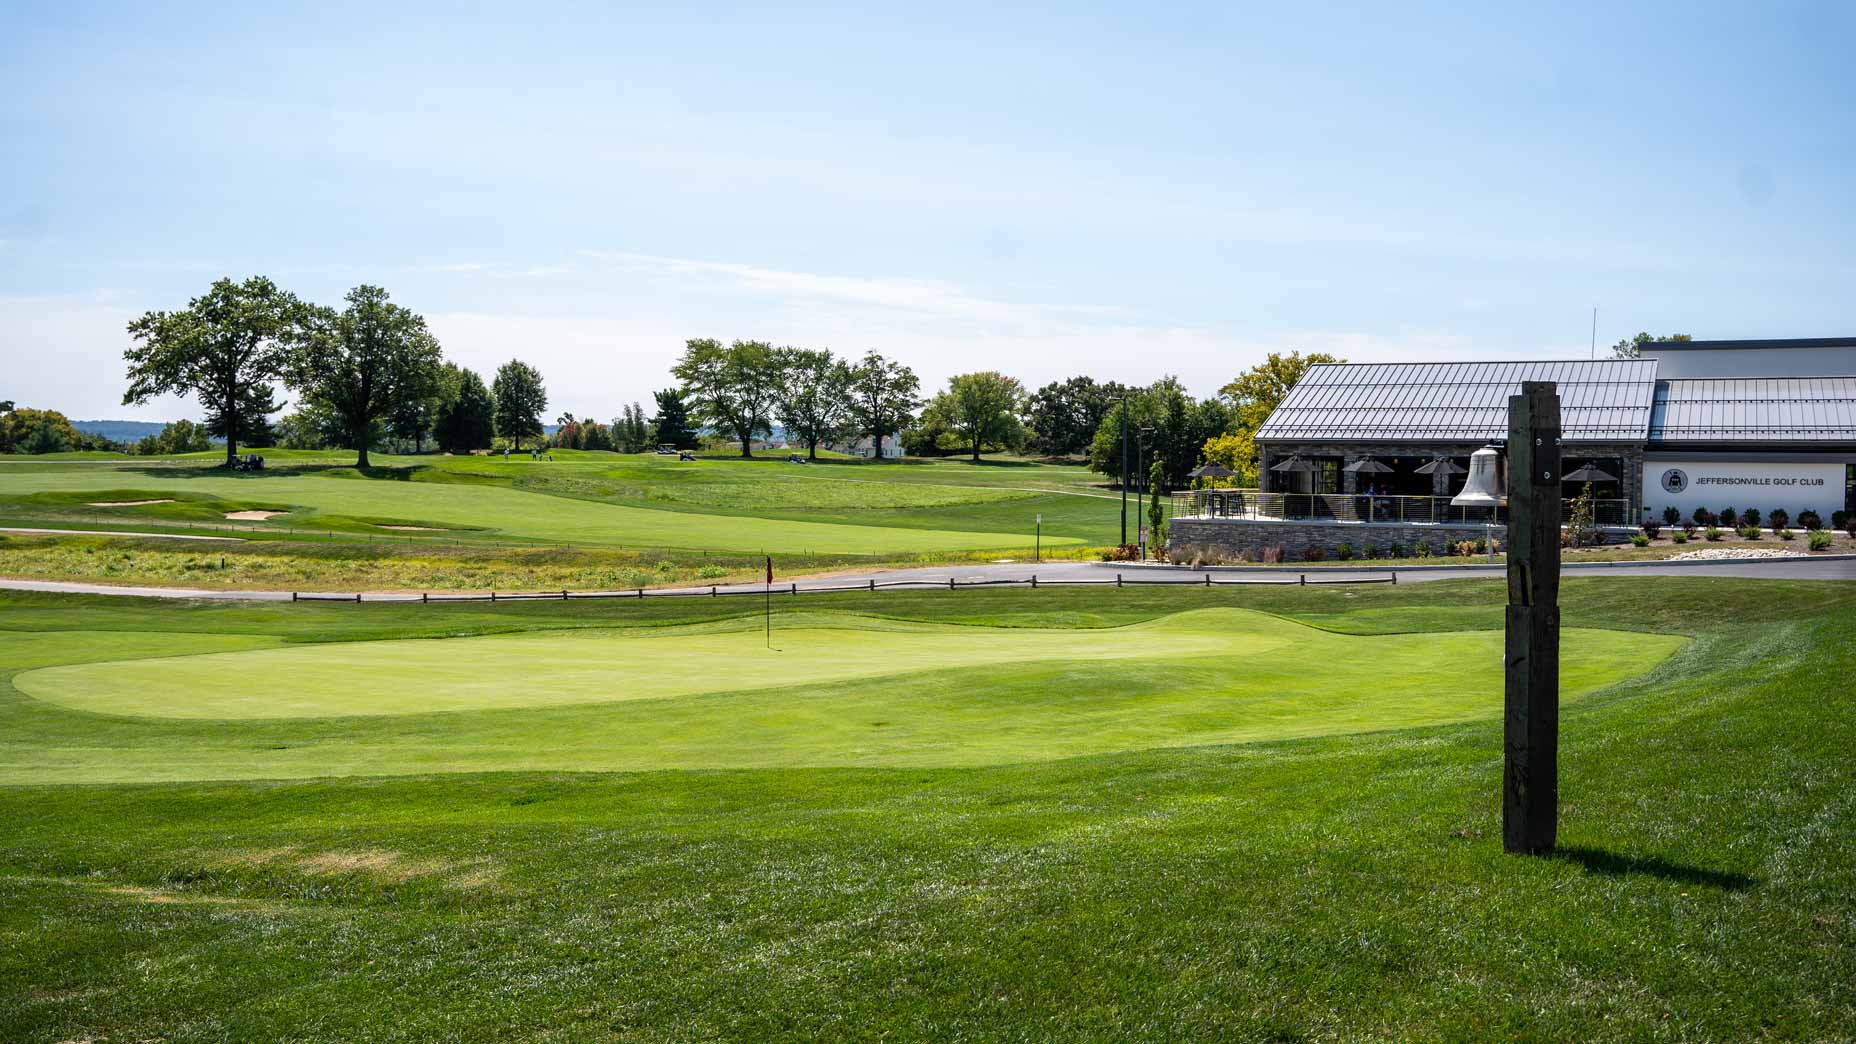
{"points": [[1370, 454]]}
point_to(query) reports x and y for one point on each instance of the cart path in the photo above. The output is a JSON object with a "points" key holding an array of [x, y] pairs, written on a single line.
{"points": [[1840, 567]]}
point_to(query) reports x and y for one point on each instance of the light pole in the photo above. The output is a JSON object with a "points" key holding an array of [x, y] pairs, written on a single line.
{"points": [[1124, 471], [1141, 435]]}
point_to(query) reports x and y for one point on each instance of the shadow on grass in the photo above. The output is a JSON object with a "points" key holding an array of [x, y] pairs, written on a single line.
{"points": [[1616, 864]]}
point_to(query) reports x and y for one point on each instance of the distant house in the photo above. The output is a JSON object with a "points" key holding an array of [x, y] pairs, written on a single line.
{"points": [[860, 446]]}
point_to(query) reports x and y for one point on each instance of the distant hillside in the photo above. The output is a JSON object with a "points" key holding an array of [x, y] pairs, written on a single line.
{"points": [[119, 430]]}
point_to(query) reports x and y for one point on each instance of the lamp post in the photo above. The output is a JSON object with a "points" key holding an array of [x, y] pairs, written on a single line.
{"points": [[1141, 435], [1124, 471]]}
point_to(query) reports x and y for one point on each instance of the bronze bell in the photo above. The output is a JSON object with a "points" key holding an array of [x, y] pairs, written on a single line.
{"points": [[1483, 487]]}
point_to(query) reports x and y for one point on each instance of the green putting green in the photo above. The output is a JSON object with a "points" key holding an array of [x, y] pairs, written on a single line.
{"points": [[834, 689]]}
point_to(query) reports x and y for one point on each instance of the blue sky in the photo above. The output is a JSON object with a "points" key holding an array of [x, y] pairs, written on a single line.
{"points": [[1044, 191]]}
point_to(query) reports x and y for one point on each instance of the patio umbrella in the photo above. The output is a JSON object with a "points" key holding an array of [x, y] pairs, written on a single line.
{"points": [[1296, 463], [1215, 471], [1591, 474], [1367, 467], [1443, 465]]}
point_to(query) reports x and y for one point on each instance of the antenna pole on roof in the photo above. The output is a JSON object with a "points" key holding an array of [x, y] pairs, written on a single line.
{"points": [[1594, 331]]}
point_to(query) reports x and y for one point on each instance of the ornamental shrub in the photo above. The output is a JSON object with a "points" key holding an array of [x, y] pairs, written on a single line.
{"points": [[1703, 517], [1640, 539], [1344, 552], [1751, 532], [1778, 519], [1679, 536], [1272, 555], [1839, 519], [1713, 533], [1671, 515], [1810, 520], [1786, 534], [1652, 529], [1728, 517], [1820, 540], [1317, 553], [1464, 548], [1750, 517]]}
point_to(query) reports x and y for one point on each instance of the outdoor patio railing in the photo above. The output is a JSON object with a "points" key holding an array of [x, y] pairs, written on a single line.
{"points": [[1358, 507]]}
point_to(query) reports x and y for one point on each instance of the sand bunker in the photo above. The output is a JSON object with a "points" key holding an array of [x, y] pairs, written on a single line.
{"points": [[250, 516], [127, 503]]}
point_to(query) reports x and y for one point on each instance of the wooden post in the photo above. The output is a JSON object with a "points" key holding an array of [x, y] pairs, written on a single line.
{"points": [[1531, 730]]}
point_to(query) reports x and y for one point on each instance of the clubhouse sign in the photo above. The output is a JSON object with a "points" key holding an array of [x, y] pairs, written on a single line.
{"points": [[1689, 484]]}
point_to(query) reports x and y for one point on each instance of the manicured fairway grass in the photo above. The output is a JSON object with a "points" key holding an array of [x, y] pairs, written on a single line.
{"points": [[596, 499], [1331, 887]]}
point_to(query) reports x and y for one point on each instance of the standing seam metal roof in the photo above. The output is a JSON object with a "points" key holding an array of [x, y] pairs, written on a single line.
{"points": [[1765, 409], [1601, 400]]}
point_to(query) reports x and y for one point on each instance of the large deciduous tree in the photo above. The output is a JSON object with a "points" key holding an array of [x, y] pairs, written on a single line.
{"points": [[225, 348], [884, 397], [815, 403], [1256, 392], [983, 409], [1064, 415], [520, 398], [733, 387], [671, 427], [1162, 421], [360, 364]]}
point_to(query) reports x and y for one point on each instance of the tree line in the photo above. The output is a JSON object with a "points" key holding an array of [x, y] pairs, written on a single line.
{"points": [[370, 371], [741, 388], [363, 373]]}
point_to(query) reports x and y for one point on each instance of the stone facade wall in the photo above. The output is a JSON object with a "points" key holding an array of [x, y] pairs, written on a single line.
{"points": [[1229, 539]]}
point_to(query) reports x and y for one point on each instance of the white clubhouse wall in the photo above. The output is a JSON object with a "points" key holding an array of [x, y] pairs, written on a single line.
{"points": [[1689, 483]]}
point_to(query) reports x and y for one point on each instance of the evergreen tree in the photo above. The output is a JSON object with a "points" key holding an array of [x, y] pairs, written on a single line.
{"points": [[467, 420], [672, 423], [252, 418]]}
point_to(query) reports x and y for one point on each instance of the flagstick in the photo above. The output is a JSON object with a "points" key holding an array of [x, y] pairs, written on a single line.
{"points": [[769, 591]]}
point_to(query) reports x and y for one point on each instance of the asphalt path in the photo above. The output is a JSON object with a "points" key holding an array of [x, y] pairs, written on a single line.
{"points": [[1837, 567]]}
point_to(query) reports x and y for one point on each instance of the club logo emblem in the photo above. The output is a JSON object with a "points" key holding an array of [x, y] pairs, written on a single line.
{"points": [[1675, 480]]}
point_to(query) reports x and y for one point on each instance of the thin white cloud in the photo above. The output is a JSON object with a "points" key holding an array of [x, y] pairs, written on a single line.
{"points": [[918, 296]]}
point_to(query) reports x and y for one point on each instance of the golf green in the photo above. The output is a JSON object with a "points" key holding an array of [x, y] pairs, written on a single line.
{"points": [[836, 688]]}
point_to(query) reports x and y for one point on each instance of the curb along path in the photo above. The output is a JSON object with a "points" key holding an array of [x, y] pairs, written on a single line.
{"points": [[1027, 575]]}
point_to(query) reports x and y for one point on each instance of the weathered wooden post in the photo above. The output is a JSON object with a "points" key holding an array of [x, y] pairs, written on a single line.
{"points": [[1530, 776]]}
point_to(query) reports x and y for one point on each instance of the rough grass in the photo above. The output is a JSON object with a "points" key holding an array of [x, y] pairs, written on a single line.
{"points": [[1334, 888]]}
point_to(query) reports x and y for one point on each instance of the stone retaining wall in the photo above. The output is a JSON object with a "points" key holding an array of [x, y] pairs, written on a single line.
{"points": [[1217, 540]]}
